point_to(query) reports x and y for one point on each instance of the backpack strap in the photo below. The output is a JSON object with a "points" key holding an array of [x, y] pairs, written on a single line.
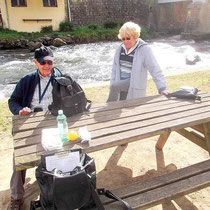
{"points": [[53, 72], [96, 198], [35, 204], [109, 194], [89, 105]]}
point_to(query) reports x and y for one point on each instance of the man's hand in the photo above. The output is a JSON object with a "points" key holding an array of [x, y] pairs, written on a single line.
{"points": [[165, 92], [25, 111]]}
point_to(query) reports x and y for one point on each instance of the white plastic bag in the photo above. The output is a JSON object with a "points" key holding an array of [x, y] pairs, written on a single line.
{"points": [[51, 139], [84, 134]]}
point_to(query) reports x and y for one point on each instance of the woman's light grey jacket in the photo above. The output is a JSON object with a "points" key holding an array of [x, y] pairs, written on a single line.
{"points": [[143, 62]]}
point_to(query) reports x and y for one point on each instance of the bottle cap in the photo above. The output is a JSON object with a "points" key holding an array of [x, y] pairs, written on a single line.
{"points": [[60, 111]]}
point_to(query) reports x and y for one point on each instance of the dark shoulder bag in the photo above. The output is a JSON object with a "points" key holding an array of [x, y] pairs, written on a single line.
{"points": [[68, 95], [71, 190], [186, 92]]}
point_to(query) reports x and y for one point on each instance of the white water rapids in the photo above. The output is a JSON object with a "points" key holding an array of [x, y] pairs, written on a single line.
{"points": [[91, 63]]}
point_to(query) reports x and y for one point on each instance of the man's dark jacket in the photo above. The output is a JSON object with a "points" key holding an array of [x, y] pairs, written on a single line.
{"points": [[23, 93]]}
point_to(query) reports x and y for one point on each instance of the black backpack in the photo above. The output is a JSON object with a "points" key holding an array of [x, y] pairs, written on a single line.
{"points": [[71, 190], [68, 95]]}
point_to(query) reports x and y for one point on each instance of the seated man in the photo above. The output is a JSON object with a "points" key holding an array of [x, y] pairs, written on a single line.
{"points": [[32, 93]]}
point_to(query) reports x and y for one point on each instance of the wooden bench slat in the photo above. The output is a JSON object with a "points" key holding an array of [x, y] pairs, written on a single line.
{"points": [[167, 186], [161, 180], [171, 191]]}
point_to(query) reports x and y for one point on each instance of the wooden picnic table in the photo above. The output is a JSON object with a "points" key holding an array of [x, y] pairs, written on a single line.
{"points": [[116, 123]]}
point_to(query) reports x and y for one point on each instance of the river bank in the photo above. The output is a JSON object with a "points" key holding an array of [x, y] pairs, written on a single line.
{"points": [[49, 40], [67, 34], [54, 40], [92, 33]]}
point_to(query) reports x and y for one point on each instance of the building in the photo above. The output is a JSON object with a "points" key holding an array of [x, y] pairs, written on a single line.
{"points": [[0, 19], [161, 15], [32, 15], [198, 20]]}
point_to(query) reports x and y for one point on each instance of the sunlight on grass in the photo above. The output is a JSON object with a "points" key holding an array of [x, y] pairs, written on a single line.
{"points": [[5, 116]]}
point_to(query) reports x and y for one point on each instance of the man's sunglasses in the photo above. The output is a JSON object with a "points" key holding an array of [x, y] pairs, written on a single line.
{"points": [[127, 38], [46, 62]]}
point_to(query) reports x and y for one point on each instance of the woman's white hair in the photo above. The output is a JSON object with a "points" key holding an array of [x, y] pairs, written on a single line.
{"points": [[129, 29]]}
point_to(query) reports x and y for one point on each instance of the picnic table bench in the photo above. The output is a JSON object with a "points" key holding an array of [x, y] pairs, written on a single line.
{"points": [[116, 123], [151, 192]]}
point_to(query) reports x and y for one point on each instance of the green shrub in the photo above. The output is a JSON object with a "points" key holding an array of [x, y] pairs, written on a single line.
{"points": [[110, 24], [93, 26], [6, 30], [146, 33], [66, 26], [46, 29]]}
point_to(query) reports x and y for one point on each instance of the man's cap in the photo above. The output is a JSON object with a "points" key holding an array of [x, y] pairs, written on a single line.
{"points": [[43, 53]]}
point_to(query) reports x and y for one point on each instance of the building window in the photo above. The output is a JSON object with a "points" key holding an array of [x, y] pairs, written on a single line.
{"points": [[18, 3], [50, 3]]}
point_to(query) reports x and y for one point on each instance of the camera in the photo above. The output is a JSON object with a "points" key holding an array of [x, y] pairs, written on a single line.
{"points": [[38, 109]]}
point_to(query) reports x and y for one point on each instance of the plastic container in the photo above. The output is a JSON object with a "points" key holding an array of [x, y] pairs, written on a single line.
{"points": [[62, 126]]}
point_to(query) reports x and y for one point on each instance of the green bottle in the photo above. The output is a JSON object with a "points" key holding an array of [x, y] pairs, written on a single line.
{"points": [[62, 126]]}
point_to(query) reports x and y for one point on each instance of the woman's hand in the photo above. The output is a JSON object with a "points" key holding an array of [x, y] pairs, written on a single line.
{"points": [[165, 92]]}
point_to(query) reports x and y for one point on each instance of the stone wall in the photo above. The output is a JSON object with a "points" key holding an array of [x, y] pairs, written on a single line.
{"points": [[84, 12], [165, 17], [198, 19], [171, 16]]}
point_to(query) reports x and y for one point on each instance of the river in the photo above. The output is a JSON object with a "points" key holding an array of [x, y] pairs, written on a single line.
{"points": [[91, 63]]}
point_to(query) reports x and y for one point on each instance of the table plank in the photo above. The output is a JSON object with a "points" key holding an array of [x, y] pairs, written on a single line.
{"points": [[103, 111], [110, 115], [111, 126], [117, 139]]}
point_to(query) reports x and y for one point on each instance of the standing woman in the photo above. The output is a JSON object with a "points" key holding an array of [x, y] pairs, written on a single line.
{"points": [[132, 61]]}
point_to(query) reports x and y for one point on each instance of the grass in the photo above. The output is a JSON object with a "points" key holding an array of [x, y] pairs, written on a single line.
{"points": [[99, 93], [78, 31], [11, 34], [199, 79], [5, 117], [91, 33]]}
